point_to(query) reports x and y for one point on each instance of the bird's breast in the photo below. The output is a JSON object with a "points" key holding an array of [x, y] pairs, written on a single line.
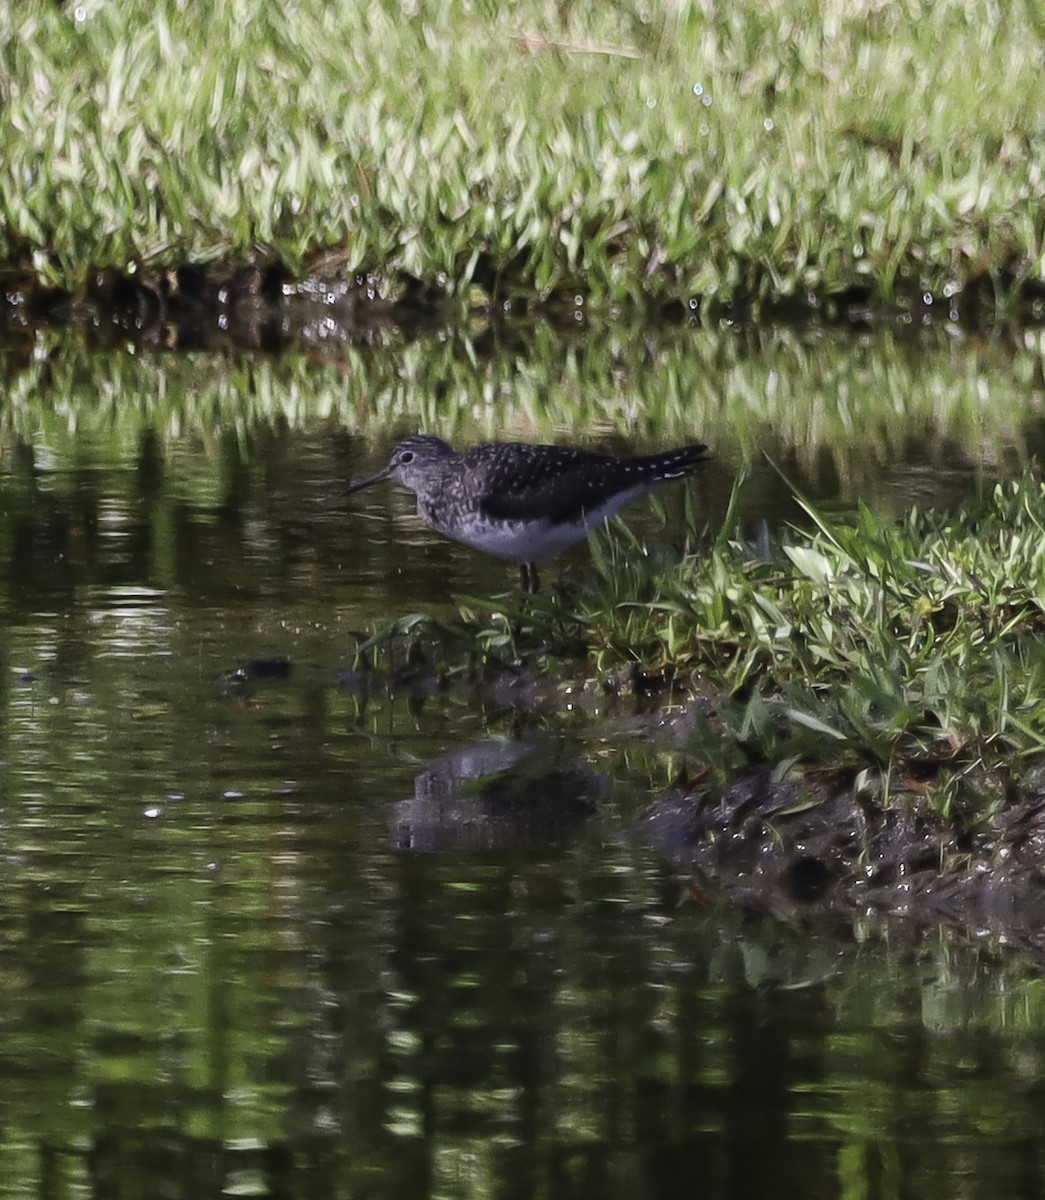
{"points": [[428, 510]]}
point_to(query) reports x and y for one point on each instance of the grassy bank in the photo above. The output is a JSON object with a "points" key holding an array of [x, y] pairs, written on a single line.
{"points": [[906, 654], [719, 155]]}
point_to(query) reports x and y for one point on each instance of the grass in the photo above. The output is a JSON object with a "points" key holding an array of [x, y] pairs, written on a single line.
{"points": [[722, 157], [904, 654]]}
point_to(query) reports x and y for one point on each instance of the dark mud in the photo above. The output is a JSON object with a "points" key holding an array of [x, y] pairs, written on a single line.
{"points": [[255, 306], [261, 306], [813, 847]]}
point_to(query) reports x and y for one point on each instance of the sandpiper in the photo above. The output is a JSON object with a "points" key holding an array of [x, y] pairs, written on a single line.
{"points": [[524, 502]]}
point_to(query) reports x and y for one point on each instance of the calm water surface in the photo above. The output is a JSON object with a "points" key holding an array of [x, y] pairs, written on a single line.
{"points": [[286, 939]]}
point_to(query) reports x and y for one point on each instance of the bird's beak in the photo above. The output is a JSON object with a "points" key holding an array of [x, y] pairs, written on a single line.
{"points": [[365, 483]]}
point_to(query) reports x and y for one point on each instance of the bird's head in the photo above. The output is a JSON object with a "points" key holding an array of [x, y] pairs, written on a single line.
{"points": [[410, 461]]}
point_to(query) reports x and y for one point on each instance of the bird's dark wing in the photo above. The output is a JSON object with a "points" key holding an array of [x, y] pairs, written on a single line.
{"points": [[559, 484]]}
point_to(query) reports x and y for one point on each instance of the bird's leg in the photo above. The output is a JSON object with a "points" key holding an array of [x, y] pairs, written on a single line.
{"points": [[529, 580]]}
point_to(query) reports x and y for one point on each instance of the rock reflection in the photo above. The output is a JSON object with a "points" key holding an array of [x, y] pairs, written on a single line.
{"points": [[496, 795]]}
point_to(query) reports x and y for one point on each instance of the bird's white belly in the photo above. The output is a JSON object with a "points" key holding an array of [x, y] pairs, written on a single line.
{"points": [[521, 541], [535, 541]]}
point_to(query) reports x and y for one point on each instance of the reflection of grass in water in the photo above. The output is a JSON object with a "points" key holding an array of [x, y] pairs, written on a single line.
{"points": [[731, 152], [831, 408]]}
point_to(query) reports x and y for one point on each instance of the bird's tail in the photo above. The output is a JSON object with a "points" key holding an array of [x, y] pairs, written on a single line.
{"points": [[671, 464]]}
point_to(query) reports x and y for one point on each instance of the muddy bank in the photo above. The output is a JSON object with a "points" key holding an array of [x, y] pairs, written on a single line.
{"points": [[808, 846], [251, 306], [260, 305], [816, 848]]}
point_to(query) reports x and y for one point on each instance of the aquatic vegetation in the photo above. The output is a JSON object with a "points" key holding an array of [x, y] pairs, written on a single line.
{"points": [[879, 643], [696, 157], [906, 653]]}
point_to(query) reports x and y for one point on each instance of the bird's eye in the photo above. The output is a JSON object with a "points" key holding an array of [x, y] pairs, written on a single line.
{"points": [[407, 456]]}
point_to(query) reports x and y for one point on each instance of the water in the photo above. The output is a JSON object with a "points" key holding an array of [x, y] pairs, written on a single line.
{"points": [[282, 938]]}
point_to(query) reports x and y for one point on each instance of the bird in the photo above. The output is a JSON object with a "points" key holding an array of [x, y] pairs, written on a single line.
{"points": [[521, 501]]}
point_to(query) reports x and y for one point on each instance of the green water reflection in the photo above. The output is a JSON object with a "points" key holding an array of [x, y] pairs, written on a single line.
{"points": [[243, 949], [268, 1001]]}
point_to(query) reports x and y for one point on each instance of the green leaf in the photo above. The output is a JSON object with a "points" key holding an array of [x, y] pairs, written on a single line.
{"points": [[814, 723], [812, 564]]}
